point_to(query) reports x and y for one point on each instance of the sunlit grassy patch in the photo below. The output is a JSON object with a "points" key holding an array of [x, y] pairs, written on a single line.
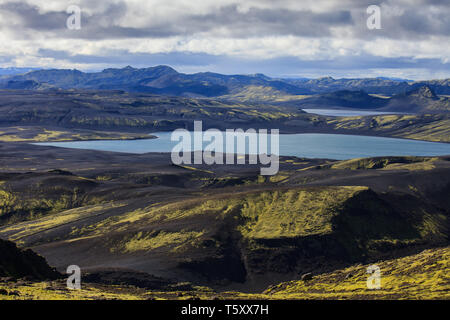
{"points": [[24, 229], [48, 291], [421, 276], [292, 213], [145, 241], [270, 214], [278, 178], [387, 163]]}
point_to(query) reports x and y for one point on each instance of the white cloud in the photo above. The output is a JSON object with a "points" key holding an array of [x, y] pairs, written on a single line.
{"points": [[255, 30]]}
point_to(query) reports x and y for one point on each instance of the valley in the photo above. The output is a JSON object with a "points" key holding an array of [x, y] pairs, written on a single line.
{"points": [[139, 220], [141, 227], [38, 116]]}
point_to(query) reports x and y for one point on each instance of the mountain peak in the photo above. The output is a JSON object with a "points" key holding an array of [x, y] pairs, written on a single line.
{"points": [[164, 67], [423, 91], [259, 75]]}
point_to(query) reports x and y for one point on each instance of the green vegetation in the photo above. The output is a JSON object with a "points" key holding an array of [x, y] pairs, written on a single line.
{"points": [[49, 196], [39, 134], [420, 276], [27, 228], [56, 291], [292, 213], [387, 163], [430, 127], [154, 240]]}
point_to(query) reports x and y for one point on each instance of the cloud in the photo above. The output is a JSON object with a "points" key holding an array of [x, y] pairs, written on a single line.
{"points": [[220, 33], [110, 22]]}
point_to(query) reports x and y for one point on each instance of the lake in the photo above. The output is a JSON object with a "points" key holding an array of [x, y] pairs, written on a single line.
{"points": [[330, 146], [347, 113]]}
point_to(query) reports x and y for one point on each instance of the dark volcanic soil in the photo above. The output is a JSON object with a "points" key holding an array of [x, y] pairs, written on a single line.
{"points": [[140, 213]]}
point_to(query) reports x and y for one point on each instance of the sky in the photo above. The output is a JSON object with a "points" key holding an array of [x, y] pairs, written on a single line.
{"points": [[281, 38]]}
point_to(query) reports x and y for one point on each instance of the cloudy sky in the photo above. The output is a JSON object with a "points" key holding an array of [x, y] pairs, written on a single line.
{"points": [[283, 38]]}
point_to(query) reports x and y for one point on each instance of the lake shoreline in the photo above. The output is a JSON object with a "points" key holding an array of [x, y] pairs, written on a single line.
{"points": [[303, 145], [336, 132]]}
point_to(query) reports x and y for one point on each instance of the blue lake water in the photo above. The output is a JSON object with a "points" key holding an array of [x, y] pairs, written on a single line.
{"points": [[330, 146], [346, 113]]}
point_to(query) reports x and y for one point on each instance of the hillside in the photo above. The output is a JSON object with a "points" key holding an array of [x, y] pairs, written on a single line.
{"points": [[343, 99], [420, 276], [87, 115], [421, 100], [431, 127], [17, 263], [118, 110], [137, 212]]}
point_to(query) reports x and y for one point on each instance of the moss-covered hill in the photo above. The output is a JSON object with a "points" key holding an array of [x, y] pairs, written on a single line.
{"points": [[420, 276], [240, 237], [224, 228], [431, 127]]}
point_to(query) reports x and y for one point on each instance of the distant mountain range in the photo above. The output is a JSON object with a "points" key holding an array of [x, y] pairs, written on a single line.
{"points": [[158, 80], [165, 80], [418, 100]]}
